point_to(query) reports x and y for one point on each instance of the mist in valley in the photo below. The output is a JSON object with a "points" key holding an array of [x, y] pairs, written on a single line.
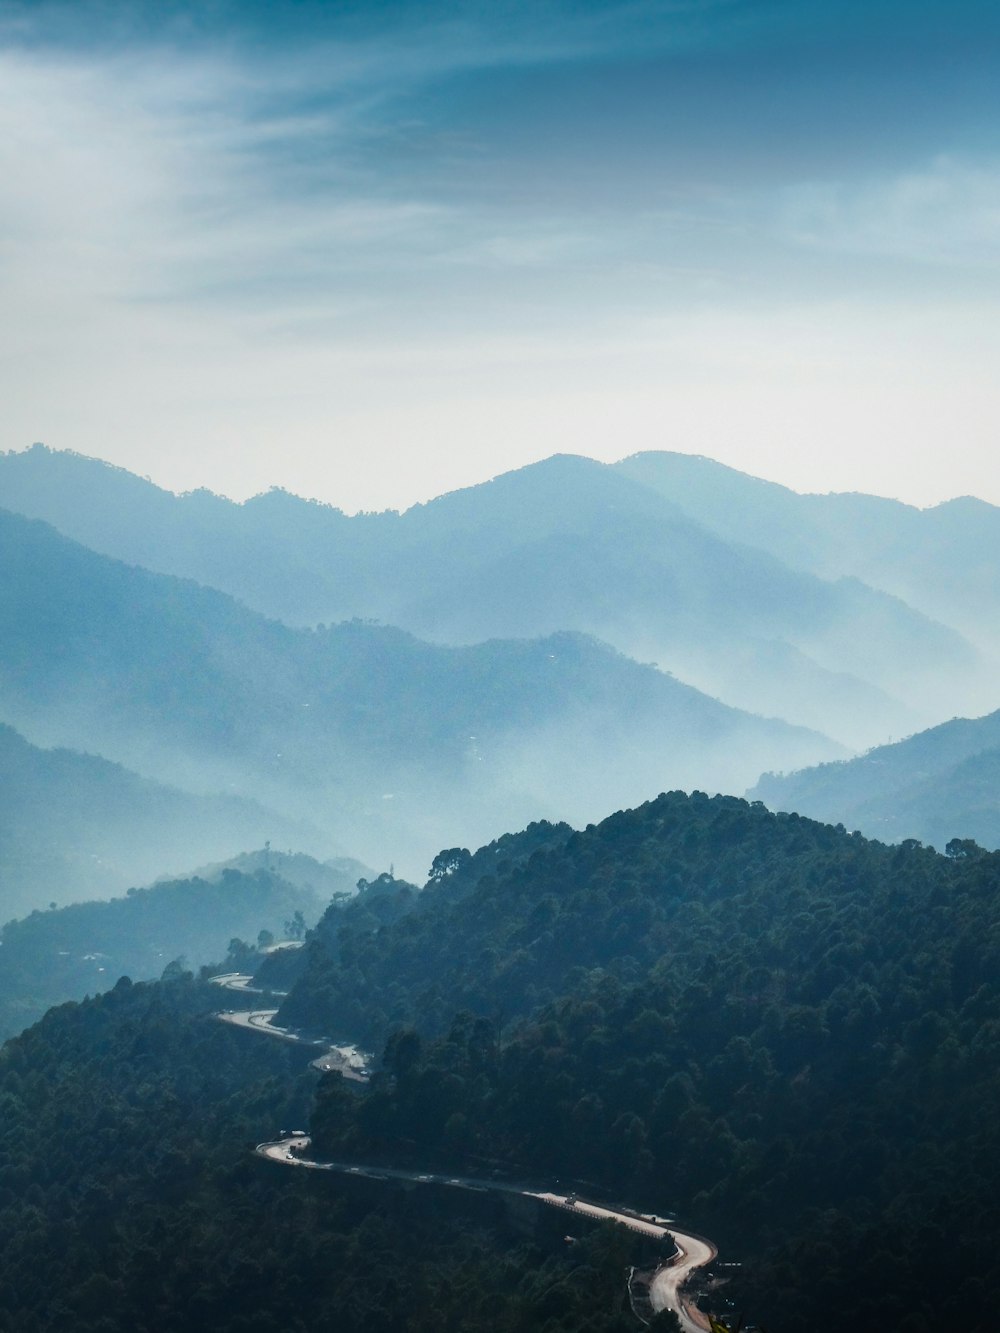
{"points": [[557, 643]]}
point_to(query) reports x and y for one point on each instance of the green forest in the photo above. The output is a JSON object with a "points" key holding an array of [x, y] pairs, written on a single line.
{"points": [[130, 1199], [783, 1033], [69, 952]]}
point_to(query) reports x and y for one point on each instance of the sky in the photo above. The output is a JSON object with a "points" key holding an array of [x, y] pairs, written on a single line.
{"points": [[374, 251]]}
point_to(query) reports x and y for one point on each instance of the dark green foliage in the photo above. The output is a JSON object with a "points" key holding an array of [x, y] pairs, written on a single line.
{"points": [[780, 1030], [49, 957], [130, 1201], [784, 1033], [336, 988]]}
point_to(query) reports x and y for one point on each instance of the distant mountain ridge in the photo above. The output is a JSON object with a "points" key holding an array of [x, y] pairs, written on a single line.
{"points": [[938, 785], [53, 956], [566, 544], [384, 742], [76, 826], [944, 560]]}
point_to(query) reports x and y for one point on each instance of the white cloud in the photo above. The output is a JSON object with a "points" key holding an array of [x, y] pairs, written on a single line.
{"points": [[947, 211], [207, 276]]}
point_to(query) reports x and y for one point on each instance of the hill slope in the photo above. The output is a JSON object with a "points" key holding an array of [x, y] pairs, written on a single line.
{"points": [[783, 1032], [567, 544], [788, 1031], [387, 743], [132, 1203], [50, 957], [942, 560], [941, 784], [77, 826]]}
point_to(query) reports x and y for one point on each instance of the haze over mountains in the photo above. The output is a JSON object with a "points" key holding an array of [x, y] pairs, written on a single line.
{"points": [[82, 949], [78, 826], [945, 560], [234, 654], [624, 553], [388, 745], [939, 785]]}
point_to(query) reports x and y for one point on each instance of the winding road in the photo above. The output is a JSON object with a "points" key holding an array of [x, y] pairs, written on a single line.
{"points": [[666, 1289], [341, 1058], [241, 981]]}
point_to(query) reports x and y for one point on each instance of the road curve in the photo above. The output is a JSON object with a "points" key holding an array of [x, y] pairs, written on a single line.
{"points": [[666, 1288], [344, 1059], [241, 981], [666, 1291]]}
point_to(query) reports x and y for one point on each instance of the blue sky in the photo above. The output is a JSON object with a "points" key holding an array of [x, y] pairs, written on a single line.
{"points": [[375, 251]]}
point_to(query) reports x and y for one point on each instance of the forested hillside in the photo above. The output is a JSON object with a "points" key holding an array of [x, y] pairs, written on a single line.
{"points": [[390, 746], [783, 1031], [938, 785], [315, 976], [130, 1201], [52, 956], [76, 826], [565, 544]]}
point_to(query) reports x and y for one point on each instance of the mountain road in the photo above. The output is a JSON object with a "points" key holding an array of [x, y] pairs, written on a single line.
{"points": [[666, 1288]]}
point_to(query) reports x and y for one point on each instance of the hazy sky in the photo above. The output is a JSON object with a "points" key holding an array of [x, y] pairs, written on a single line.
{"points": [[374, 251]]}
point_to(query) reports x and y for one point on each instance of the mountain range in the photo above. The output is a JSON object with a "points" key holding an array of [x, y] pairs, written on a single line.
{"points": [[939, 785], [687, 573], [383, 682], [77, 826], [385, 743], [943, 560]]}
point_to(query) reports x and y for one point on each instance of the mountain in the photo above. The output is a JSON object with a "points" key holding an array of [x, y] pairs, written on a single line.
{"points": [[566, 544], [782, 1032], [131, 1200], [941, 784], [942, 560], [787, 1030], [320, 879], [315, 976], [77, 826], [53, 956], [386, 743]]}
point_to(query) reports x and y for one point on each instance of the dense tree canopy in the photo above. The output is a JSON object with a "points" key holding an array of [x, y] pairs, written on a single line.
{"points": [[129, 1199], [784, 1033], [782, 1030], [70, 952]]}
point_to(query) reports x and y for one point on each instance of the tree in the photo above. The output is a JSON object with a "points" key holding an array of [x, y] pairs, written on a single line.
{"points": [[238, 953], [296, 928], [449, 862], [664, 1321], [964, 849]]}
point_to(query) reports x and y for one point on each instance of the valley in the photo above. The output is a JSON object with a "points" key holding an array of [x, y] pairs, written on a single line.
{"points": [[499, 666], [779, 1026]]}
